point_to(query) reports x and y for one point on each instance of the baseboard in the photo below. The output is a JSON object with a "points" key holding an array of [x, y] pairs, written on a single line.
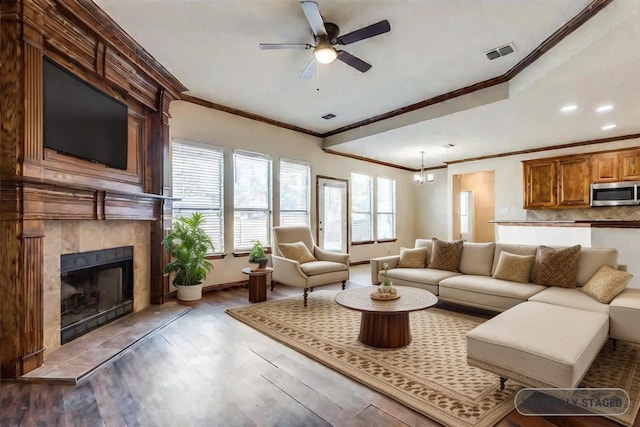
{"points": [[220, 286]]}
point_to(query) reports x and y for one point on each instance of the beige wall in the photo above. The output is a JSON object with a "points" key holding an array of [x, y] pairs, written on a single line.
{"points": [[424, 211], [435, 204], [508, 175], [196, 123], [431, 218]]}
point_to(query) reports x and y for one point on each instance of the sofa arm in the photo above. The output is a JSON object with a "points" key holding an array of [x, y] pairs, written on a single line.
{"points": [[287, 268], [322, 255], [624, 316], [376, 266]]}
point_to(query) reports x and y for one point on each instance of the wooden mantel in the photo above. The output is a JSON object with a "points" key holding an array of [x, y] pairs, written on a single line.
{"points": [[38, 184]]}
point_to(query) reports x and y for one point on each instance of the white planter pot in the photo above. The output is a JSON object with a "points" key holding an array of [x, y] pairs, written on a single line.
{"points": [[253, 266], [189, 293]]}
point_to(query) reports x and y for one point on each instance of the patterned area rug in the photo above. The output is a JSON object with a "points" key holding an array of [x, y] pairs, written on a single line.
{"points": [[431, 374]]}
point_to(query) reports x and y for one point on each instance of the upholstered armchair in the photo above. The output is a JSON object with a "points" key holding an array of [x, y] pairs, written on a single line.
{"points": [[298, 262]]}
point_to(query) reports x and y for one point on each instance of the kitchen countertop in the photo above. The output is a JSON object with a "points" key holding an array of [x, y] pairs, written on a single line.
{"points": [[594, 223]]}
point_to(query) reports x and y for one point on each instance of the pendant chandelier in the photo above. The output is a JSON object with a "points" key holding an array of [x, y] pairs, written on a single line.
{"points": [[420, 177]]}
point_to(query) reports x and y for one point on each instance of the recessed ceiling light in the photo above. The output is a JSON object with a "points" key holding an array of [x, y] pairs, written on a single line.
{"points": [[608, 127], [603, 108], [569, 108]]}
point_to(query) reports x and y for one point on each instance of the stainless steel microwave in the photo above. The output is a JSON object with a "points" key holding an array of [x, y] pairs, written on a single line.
{"points": [[615, 193]]}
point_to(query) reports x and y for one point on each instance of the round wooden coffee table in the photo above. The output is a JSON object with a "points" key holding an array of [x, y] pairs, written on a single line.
{"points": [[385, 324]]}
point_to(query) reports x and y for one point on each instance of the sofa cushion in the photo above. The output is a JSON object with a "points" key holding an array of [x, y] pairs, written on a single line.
{"points": [[514, 249], [313, 268], [591, 259], [606, 284], [491, 286], [571, 298], [477, 258], [424, 243], [412, 258], [557, 266], [446, 255], [419, 275], [515, 268], [296, 251]]}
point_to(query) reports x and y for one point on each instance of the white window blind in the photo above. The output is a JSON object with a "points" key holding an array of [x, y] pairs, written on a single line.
{"points": [[197, 177], [361, 207], [295, 192], [386, 208], [252, 199]]}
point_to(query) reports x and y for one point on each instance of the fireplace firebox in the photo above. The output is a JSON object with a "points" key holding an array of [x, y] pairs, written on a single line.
{"points": [[96, 288]]}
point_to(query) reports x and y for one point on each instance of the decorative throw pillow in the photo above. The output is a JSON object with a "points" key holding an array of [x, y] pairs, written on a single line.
{"points": [[297, 251], [412, 258], [606, 284], [515, 268], [557, 266], [446, 255]]}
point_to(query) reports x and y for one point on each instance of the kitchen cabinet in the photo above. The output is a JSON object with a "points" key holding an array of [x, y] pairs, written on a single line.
{"points": [[629, 165], [539, 184], [573, 180], [604, 167], [560, 182], [565, 181]]}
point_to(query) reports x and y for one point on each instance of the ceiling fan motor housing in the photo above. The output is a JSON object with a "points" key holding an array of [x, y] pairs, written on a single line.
{"points": [[333, 31]]}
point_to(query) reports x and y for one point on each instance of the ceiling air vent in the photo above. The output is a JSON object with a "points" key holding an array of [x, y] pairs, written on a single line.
{"points": [[501, 51], [328, 116]]}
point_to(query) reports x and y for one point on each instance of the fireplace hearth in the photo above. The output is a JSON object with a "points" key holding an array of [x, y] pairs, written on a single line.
{"points": [[96, 288]]}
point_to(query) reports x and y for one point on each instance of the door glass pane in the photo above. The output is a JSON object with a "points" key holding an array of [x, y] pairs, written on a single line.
{"points": [[333, 208]]}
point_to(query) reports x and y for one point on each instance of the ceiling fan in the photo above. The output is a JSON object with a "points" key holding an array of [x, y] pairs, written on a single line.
{"points": [[325, 36]]}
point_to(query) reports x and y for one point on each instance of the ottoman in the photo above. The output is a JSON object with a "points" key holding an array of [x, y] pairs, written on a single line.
{"points": [[539, 344]]}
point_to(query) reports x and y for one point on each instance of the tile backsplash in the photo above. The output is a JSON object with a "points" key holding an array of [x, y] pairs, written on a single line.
{"points": [[625, 213]]}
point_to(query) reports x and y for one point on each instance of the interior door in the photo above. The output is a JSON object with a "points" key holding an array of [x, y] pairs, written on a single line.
{"points": [[466, 216], [332, 215]]}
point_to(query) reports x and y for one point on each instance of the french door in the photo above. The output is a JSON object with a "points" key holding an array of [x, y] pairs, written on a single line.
{"points": [[332, 215]]}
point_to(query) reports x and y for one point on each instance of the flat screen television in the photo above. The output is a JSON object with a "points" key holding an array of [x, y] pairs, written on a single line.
{"points": [[81, 120]]}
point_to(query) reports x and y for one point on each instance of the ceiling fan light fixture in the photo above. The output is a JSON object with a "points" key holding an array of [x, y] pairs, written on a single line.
{"points": [[325, 53]]}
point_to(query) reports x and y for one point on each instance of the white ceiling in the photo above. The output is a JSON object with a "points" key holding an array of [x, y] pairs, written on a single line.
{"points": [[434, 47]]}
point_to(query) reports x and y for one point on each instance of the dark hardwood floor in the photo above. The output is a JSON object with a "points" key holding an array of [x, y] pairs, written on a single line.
{"points": [[208, 369]]}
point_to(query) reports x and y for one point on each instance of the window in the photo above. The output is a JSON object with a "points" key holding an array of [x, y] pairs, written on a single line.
{"points": [[252, 200], [361, 208], [386, 209], [197, 176], [295, 192]]}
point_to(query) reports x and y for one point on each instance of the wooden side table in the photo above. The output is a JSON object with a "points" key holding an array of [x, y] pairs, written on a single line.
{"points": [[257, 283]]}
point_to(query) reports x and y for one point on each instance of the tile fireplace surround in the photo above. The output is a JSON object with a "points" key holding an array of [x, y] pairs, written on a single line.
{"points": [[65, 237]]}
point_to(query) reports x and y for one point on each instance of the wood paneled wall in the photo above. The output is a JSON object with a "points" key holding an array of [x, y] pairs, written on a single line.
{"points": [[38, 184]]}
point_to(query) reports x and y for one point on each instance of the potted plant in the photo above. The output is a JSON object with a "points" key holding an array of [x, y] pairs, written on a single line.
{"points": [[257, 257], [188, 245]]}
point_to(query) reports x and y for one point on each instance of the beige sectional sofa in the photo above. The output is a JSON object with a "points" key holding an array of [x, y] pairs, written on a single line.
{"points": [[521, 342], [474, 285]]}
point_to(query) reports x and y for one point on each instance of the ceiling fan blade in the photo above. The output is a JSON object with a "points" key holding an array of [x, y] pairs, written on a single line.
{"points": [[353, 61], [308, 70], [272, 46], [365, 32], [312, 13]]}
